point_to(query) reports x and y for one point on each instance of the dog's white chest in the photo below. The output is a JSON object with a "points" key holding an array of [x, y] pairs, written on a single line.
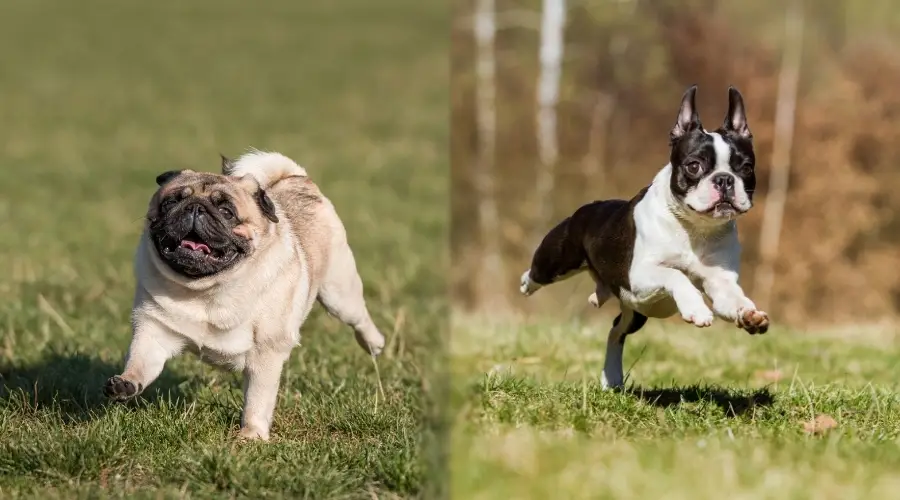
{"points": [[225, 348], [666, 252], [220, 333]]}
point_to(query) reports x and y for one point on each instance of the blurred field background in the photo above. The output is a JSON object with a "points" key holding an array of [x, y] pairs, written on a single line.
{"points": [[96, 99], [809, 410], [625, 66]]}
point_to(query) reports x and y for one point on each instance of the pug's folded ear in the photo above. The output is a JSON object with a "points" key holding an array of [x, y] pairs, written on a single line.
{"points": [[266, 205], [165, 177]]}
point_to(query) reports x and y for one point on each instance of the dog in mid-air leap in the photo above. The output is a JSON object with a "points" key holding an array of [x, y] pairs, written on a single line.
{"points": [[672, 245]]}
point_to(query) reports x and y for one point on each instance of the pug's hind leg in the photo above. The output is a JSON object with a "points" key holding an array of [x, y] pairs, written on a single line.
{"points": [[151, 346], [341, 294]]}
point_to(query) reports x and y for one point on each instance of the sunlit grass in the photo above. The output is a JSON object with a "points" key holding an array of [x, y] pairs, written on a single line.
{"points": [[708, 413]]}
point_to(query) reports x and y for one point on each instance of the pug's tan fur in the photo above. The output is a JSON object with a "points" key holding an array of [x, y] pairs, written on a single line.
{"points": [[248, 316]]}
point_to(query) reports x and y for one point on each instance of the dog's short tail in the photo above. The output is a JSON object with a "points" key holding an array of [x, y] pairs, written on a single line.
{"points": [[267, 167]]}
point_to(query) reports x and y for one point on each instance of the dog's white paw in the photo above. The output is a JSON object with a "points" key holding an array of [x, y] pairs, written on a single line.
{"points": [[700, 318], [526, 286], [599, 297], [252, 433], [612, 382], [370, 339]]}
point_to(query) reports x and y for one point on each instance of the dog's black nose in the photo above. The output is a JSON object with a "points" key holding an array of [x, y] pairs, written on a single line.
{"points": [[723, 181]]}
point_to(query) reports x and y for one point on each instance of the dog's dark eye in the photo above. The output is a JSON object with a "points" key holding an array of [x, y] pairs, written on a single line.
{"points": [[167, 205], [745, 168], [693, 168], [226, 212]]}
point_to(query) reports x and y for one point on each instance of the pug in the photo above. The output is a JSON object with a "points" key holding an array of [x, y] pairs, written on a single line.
{"points": [[228, 267]]}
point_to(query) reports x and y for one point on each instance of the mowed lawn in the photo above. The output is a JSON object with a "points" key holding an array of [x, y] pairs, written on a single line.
{"points": [[712, 413], [96, 99]]}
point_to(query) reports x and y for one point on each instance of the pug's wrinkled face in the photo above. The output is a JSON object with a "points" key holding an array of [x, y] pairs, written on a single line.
{"points": [[202, 224], [713, 173]]}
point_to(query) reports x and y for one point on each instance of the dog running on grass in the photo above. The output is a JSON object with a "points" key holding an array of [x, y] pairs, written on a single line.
{"points": [[672, 245], [228, 267]]}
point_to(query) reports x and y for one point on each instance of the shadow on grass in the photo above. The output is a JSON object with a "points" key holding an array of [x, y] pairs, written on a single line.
{"points": [[72, 383], [734, 403]]}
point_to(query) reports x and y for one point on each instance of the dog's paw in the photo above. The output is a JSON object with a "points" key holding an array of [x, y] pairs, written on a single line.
{"points": [[371, 340], [753, 321], [612, 383], [119, 389], [253, 434], [599, 297], [699, 318], [526, 286]]}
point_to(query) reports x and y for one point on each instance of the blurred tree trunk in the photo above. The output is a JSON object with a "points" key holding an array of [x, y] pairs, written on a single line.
{"points": [[785, 112], [485, 29], [553, 21], [593, 168]]}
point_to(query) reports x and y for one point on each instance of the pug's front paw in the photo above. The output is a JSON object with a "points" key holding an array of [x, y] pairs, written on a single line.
{"points": [[118, 389]]}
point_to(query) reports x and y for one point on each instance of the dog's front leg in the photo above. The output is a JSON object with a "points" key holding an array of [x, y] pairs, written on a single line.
{"points": [[730, 303], [151, 346], [262, 376], [650, 281]]}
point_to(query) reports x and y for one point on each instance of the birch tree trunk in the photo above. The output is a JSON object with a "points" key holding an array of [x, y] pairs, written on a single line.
{"points": [[485, 29], [553, 22], [785, 112], [593, 165]]}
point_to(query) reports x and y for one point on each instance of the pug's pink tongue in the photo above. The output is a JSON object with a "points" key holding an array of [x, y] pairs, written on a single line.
{"points": [[194, 246]]}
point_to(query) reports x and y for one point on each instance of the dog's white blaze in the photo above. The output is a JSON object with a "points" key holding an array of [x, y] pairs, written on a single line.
{"points": [[723, 152]]}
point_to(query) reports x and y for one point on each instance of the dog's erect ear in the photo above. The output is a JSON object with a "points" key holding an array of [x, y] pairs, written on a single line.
{"points": [[165, 177], [736, 118], [688, 119], [266, 205], [227, 165]]}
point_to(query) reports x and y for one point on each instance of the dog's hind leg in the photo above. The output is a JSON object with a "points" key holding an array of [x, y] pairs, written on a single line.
{"points": [[558, 257], [341, 294], [601, 293], [626, 323]]}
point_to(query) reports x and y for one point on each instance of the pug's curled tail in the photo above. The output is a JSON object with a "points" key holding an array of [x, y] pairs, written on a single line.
{"points": [[268, 167]]}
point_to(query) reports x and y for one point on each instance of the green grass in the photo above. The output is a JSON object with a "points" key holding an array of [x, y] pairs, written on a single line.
{"points": [[98, 98], [710, 413]]}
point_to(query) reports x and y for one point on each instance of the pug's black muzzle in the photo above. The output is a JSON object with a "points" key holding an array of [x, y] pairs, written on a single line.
{"points": [[194, 240]]}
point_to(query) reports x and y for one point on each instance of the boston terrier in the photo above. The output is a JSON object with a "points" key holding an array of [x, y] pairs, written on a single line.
{"points": [[671, 246]]}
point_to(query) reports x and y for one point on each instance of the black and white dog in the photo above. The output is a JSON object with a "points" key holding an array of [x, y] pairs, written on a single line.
{"points": [[676, 237]]}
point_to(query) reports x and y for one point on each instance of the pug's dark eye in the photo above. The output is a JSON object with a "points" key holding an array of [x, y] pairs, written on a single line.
{"points": [[167, 205], [693, 168], [745, 169], [226, 213]]}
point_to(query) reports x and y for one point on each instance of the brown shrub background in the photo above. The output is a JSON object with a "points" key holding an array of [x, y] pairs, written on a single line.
{"points": [[839, 257]]}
